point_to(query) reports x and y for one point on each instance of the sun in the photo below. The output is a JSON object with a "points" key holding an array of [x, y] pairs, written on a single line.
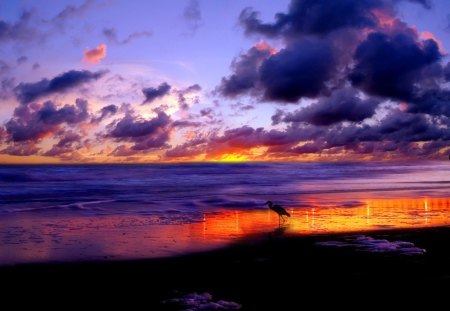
{"points": [[233, 157]]}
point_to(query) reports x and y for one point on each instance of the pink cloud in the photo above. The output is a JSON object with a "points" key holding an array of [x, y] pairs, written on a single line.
{"points": [[95, 55]]}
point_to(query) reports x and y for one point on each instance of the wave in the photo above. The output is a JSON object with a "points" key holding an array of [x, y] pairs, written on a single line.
{"points": [[185, 191]]}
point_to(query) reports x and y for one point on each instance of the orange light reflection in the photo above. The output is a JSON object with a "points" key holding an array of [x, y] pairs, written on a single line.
{"points": [[56, 238]]}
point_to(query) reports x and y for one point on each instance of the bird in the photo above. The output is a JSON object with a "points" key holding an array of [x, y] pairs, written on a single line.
{"points": [[279, 210]]}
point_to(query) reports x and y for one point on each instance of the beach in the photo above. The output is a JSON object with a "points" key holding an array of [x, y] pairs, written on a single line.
{"points": [[200, 237], [266, 272]]}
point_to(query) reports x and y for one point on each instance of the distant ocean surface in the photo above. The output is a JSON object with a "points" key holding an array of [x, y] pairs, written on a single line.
{"points": [[175, 193]]}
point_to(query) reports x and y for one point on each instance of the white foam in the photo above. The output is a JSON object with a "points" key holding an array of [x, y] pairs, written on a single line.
{"points": [[202, 302], [369, 244]]}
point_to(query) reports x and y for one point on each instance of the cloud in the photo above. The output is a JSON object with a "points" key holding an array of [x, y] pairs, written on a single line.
{"points": [[3, 134], [316, 17], [398, 134], [144, 134], [447, 72], [20, 149], [105, 112], [342, 105], [70, 114], [352, 57], [183, 102], [6, 87], [189, 149], [21, 31], [95, 55], [391, 65], [245, 75], [433, 102], [428, 4], [193, 16], [72, 11], [68, 143], [113, 37], [152, 93], [21, 60], [328, 43], [34, 121], [182, 124], [301, 70], [28, 92]]}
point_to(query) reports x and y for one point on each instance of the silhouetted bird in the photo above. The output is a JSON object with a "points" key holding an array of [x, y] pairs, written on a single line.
{"points": [[279, 210]]}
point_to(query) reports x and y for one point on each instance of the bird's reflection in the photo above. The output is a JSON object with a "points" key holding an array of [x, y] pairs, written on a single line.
{"points": [[279, 231]]}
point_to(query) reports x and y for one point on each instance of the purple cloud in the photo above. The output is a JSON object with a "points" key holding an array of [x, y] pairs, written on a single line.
{"points": [[112, 36], [390, 65], [32, 122], [143, 134], [28, 92], [152, 93], [342, 105]]}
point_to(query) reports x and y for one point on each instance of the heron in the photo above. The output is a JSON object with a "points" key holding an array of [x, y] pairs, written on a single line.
{"points": [[279, 210]]}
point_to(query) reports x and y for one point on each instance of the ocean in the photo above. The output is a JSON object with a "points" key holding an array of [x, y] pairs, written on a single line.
{"points": [[53, 212]]}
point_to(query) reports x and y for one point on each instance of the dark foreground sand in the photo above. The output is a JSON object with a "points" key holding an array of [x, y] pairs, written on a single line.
{"points": [[273, 272]]}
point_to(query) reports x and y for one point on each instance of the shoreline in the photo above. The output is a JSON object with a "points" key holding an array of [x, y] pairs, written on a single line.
{"points": [[256, 272]]}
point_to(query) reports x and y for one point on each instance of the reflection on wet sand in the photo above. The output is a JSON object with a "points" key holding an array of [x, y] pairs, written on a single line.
{"points": [[27, 238], [371, 214]]}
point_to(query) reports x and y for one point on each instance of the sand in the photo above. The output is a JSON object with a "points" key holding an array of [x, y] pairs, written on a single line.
{"points": [[265, 272]]}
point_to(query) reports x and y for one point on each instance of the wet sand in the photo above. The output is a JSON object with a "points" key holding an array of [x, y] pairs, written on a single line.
{"points": [[270, 271], [34, 237]]}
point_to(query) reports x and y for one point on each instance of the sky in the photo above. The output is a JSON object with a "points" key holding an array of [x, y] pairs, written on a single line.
{"points": [[112, 81]]}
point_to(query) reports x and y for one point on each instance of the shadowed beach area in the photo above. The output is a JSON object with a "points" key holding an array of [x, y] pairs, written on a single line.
{"points": [[270, 271]]}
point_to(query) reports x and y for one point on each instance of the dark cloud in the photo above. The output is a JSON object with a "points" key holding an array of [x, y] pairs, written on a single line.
{"points": [[342, 105], [183, 102], [70, 114], [33, 122], [245, 73], [301, 70], [152, 93], [447, 72], [113, 37], [144, 134], [105, 112], [36, 66], [193, 16], [433, 102], [317, 17], [390, 65], [28, 92], [21, 60]]}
